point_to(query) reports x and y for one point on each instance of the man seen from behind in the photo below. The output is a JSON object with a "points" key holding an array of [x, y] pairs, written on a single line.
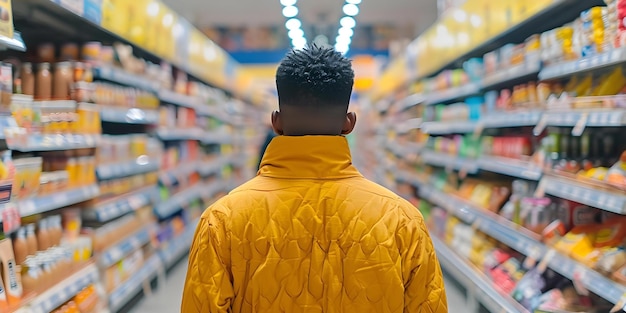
{"points": [[309, 233]]}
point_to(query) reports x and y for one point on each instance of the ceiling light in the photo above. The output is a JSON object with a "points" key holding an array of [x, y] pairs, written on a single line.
{"points": [[290, 11], [295, 33], [288, 2], [168, 19], [476, 20], [347, 22], [460, 16], [353, 1], [177, 30], [153, 9], [341, 40], [298, 43], [346, 32], [342, 48], [351, 9], [293, 23]]}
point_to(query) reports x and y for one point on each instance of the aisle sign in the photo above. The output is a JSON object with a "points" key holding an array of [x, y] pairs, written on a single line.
{"points": [[6, 19]]}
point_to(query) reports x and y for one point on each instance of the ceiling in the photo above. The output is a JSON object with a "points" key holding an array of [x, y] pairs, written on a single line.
{"points": [[249, 13]]}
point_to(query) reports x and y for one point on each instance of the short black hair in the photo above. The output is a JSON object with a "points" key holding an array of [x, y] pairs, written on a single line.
{"points": [[315, 75]]}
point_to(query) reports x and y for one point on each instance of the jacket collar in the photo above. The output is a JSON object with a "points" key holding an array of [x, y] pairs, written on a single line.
{"points": [[308, 157]]}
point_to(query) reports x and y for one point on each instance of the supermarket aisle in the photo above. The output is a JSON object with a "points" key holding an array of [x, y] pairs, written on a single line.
{"points": [[167, 298]]}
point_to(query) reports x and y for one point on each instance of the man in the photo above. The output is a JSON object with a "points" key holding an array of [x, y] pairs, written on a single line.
{"points": [[309, 233]]}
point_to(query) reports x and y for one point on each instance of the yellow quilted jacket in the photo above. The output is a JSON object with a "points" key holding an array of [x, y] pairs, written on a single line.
{"points": [[310, 234]]}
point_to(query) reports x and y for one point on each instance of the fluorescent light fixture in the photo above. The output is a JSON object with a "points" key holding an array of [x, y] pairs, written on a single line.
{"points": [[298, 43], [353, 1], [459, 15], [341, 40], [290, 11], [168, 19], [342, 48], [287, 3], [177, 30], [351, 9], [153, 9], [347, 22], [476, 20], [346, 32], [295, 33], [293, 23]]}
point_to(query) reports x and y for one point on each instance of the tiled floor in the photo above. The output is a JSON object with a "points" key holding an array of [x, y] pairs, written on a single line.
{"points": [[167, 298]]}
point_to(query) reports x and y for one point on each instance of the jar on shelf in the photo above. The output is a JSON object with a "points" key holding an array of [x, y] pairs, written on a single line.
{"points": [[27, 77], [43, 82], [63, 80]]}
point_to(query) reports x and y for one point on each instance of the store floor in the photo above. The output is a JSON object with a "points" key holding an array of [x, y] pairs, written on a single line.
{"points": [[167, 298]]}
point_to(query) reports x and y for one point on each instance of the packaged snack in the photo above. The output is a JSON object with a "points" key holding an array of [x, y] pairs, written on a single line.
{"points": [[577, 242], [574, 214], [616, 175]]}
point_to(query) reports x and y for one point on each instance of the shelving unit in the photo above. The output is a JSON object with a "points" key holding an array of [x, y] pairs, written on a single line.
{"points": [[482, 289], [162, 150], [63, 291], [531, 147]]}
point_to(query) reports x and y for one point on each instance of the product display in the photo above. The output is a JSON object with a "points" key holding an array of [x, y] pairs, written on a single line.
{"points": [[112, 151], [521, 171]]}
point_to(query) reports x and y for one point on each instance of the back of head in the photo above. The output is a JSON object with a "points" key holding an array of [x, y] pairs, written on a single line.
{"points": [[314, 88]]}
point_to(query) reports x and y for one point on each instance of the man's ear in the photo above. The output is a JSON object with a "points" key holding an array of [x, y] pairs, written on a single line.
{"points": [[349, 123], [277, 124]]}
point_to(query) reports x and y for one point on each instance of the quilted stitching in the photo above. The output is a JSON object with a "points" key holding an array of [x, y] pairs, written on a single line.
{"points": [[281, 243]]}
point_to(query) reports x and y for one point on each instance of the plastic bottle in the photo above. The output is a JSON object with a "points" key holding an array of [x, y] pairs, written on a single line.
{"points": [[31, 239], [43, 236], [20, 247], [56, 230]]}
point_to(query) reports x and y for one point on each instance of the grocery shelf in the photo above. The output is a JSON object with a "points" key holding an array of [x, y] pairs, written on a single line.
{"points": [[140, 165], [207, 168], [172, 97], [171, 134], [450, 127], [520, 239], [574, 190], [119, 76], [57, 200], [63, 291], [511, 119], [186, 168], [402, 150], [16, 43], [114, 208], [133, 285], [520, 73], [123, 248], [408, 125], [55, 143], [450, 161], [129, 115], [437, 97], [510, 167], [470, 278], [178, 201], [220, 137], [590, 118], [595, 62], [178, 246], [411, 100], [209, 190]]}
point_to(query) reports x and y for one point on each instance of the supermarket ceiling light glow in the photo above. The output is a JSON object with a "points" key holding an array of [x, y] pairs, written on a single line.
{"points": [[348, 22], [293, 24]]}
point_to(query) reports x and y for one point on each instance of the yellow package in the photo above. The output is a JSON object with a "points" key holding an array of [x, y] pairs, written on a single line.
{"points": [[578, 243], [612, 84]]}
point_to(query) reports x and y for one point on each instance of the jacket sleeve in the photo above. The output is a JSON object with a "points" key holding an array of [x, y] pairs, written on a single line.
{"points": [[423, 281], [208, 287]]}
